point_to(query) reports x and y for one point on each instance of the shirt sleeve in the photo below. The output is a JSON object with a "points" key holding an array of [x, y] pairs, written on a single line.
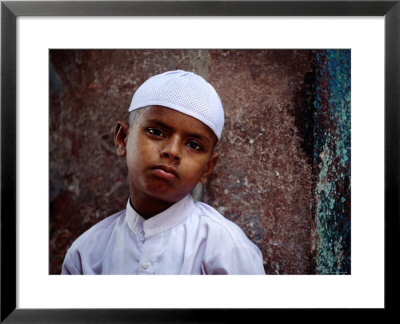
{"points": [[239, 259], [68, 267]]}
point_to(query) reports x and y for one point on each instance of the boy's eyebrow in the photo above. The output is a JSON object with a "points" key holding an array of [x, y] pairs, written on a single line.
{"points": [[199, 137], [194, 135], [159, 123]]}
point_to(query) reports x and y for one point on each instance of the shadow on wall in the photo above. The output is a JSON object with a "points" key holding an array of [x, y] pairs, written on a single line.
{"points": [[284, 169]]}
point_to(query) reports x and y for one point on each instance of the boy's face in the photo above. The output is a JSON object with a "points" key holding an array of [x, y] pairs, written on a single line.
{"points": [[167, 153]]}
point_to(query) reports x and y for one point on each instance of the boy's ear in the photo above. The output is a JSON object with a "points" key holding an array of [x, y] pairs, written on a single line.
{"points": [[210, 167], [121, 137]]}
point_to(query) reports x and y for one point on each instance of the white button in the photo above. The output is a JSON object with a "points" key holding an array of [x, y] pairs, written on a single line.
{"points": [[146, 264]]}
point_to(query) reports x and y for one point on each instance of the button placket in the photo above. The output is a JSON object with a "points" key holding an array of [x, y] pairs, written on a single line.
{"points": [[151, 250], [146, 264]]}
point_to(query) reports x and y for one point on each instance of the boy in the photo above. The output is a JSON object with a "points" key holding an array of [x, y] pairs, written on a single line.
{"points": [[175, 121]]}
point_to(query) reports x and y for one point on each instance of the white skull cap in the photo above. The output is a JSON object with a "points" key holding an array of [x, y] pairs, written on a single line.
{"points": [[185, 92]]}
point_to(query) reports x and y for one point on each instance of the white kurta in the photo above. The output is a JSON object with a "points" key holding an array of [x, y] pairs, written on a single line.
{"points": [[188, 238]]}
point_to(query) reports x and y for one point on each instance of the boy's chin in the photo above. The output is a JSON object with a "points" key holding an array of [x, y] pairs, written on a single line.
{"points": [[165, 191], [168, 197]]}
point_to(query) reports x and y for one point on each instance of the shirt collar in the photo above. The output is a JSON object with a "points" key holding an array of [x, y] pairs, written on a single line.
{"points": [[169, 218]]}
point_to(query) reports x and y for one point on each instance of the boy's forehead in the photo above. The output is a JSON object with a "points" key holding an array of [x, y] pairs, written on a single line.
{"points": [[171, 117], [167, 114]]}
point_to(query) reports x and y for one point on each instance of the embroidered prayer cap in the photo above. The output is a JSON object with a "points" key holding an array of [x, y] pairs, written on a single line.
{"points": [[185, 92]]}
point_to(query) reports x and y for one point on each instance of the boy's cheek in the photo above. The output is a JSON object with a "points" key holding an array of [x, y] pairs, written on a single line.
{"points": [[137, 148]]}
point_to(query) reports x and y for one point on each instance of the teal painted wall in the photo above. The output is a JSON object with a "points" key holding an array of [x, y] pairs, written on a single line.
{"points": [[331, 162]]}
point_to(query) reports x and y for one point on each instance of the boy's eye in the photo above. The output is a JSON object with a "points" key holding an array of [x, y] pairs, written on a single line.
{"points": [[155, 132], [194, 145]]}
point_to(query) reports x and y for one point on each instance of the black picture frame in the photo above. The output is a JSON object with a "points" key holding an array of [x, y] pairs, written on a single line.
{"points": [[11, 10]]}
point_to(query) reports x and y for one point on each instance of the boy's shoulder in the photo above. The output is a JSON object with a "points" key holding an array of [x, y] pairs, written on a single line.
{"points": [[217, 224], [227, 248], [99, 232]]}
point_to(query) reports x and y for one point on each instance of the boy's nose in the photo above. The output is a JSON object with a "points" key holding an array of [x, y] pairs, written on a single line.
{"points": [[171, 150]]}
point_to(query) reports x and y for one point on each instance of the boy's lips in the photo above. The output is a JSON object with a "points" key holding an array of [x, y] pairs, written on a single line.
{"points": [[165, 171]]}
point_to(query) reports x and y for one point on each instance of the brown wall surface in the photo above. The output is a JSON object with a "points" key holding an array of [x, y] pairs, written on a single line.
{"points": [[263, 180]]}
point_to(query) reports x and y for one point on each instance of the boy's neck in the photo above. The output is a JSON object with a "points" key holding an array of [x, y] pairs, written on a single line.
{"points": [[148, 207]]}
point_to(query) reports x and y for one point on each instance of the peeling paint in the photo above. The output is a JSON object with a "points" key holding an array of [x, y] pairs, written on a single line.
{"points": [[332, 156]]}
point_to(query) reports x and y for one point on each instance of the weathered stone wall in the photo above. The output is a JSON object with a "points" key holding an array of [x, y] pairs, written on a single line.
{"points": [[263, 181], [267, 176]]}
